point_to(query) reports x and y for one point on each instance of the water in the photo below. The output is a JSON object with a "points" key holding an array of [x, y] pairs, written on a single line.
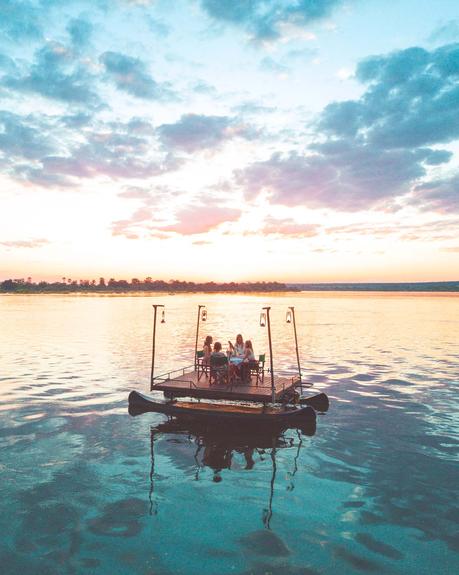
{"points": [[85, 488]]}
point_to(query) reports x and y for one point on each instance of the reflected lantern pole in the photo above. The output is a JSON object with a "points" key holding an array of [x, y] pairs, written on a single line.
{"points": [[163, 320]]}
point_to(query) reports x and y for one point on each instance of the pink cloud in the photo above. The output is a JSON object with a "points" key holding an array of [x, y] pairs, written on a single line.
{"points": [[201, 219], [35, 243], [288, 227]]}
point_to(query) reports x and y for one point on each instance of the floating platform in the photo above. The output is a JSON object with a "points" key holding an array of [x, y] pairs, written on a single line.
{"points": [[184, 383], [281, 417]]}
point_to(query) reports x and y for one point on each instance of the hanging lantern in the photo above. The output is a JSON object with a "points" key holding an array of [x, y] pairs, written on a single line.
{"points": [[288, 316], [163, 316], [204, 315], [263, 319]]}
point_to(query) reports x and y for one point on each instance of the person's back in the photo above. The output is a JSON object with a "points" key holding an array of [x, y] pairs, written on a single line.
{"points": [[218, 363]]}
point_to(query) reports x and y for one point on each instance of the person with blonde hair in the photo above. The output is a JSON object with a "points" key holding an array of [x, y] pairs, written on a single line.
{"points": [[249, 357], [238, 348], [248, 352]]}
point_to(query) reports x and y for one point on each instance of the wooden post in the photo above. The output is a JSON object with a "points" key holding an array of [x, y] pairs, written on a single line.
{"points": [[197, 333], [296, 346], [155, 307], [273, 389]]}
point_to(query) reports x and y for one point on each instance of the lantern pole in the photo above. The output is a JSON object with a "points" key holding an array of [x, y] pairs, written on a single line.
{"points": [[296, 345], [197, 333], [155, 307], [273, 389]]}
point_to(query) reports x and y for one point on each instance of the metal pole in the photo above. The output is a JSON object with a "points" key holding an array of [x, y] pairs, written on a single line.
{"points": [[273, 389], [155, 307], [296, 345], [269, 511], [197, 333], [152, 474]]}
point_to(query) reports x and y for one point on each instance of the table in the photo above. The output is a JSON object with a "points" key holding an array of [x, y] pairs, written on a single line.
{"points": [[238, 373]]}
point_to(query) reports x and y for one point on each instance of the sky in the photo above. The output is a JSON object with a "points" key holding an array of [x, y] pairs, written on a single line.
{"points": [[229, 140]]}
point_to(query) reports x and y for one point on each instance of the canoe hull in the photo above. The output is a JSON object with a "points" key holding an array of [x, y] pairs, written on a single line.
{"points": [[279, 417]]}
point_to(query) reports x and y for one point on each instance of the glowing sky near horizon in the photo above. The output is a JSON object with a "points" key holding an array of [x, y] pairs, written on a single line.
{"points": [[288, 140]]}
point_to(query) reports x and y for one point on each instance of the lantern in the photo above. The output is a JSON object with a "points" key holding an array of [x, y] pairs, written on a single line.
{"points": [[163, 316], [288, 316], [263, 319], [204, 315]]}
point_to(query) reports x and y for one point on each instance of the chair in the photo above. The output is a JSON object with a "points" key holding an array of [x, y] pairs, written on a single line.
{"points": [[218, 369], [199, 365], [257, 368]]}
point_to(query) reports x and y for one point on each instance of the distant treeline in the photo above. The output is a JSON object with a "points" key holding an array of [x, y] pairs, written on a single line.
{"points": [[68, 285], [406, 287]]}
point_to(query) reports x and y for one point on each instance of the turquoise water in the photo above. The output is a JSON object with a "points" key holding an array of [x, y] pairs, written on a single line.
{"points": [[85, 488]]}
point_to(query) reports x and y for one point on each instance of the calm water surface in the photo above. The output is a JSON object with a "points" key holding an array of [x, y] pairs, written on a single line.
{"points": [[85, 488]]}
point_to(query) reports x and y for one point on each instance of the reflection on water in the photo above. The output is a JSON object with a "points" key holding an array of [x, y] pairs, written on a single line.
{"points": [[85, 488], [220, 448]]}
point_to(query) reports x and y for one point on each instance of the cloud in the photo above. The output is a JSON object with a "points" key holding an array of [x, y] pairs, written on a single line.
{"points": [[55, 152], [266, 19], [116, 155], [251, 107], [202, 87], [23, 138], [201, 219], [191, 220], [441, 195], [130, 75], [194, 132], [20, 20], [158, 27], [288, 227], [446, 32], [344, 177], [56, 74], [370, 152], [150, 196], [80, 32], [270, 65], [436, 230], [412, 100], [7, 64], [34, 243], [282, 66]]}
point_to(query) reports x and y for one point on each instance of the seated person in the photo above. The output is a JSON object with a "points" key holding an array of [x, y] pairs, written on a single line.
{"points": [[207, 349], [238, 348], [249, 357], [218, 350], [218, 363], [248, 352]]}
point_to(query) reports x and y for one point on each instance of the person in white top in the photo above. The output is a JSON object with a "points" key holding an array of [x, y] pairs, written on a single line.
{"points": [[248, 352], [238, 348]]}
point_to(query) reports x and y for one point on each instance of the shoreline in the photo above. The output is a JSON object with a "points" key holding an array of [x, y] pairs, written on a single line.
{"points": [[296, 292]]}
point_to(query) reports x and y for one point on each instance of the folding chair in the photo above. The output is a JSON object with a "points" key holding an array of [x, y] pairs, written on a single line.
{"points": [[199, 365], [257, 368], [218, 370]]}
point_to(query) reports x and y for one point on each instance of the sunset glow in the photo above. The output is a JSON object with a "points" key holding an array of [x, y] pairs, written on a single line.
{"points": [[221, 140]]}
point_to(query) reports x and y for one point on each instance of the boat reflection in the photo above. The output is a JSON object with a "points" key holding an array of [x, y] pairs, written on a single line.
{"points": [[217, 448]]}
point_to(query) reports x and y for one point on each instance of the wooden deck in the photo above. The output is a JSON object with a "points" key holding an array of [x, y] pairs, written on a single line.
{"points": [[184, 383]]}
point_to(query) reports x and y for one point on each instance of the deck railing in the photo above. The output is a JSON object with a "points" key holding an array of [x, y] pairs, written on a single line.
{"points": [[173, 374]]}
